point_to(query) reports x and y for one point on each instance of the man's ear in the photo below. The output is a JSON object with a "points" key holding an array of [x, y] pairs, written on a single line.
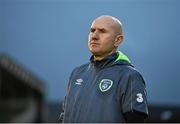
{"points": [[118, 40]]}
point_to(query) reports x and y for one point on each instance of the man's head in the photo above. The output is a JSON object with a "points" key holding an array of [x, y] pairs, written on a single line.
{"points": [[105, 36]]}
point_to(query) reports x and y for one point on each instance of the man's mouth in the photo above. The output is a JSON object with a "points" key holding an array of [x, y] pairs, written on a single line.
{"points": [[94, 43]]}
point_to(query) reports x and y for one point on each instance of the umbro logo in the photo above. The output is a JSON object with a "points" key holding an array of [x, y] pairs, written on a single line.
{"points": [[79, 81]]}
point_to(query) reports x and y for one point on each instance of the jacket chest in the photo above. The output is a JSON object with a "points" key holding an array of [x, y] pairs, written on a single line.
{"points": [[100, 85]]}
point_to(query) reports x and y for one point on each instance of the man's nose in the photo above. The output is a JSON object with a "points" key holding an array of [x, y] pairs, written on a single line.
{"points": [[95, 36]]}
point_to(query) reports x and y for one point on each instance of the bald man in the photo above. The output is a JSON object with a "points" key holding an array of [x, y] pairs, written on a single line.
{"points": [[108, 88]]}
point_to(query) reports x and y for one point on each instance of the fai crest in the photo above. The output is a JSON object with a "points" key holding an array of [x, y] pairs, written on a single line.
{"points": [[105, 84]]}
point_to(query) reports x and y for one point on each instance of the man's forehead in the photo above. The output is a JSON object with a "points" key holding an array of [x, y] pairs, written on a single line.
{"points": [[105, 22], [102, 23]]}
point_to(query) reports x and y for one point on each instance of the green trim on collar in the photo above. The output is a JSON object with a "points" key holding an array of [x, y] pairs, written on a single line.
{"points": [[122, 56]]}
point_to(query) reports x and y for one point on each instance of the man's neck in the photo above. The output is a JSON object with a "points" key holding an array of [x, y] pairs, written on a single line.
{"points": [[98, 58]]}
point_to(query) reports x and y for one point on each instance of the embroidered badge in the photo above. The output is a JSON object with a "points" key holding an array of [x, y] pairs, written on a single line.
{"points": [[105, 84]]}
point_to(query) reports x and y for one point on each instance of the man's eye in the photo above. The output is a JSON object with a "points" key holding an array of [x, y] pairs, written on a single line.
{"points": [[92, 30], [102, 30]]}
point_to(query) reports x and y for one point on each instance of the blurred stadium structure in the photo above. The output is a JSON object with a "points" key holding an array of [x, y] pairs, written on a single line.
{"points": [[23, 98], [22, 94]]}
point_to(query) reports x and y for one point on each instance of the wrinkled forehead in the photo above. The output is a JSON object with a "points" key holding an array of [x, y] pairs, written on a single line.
{"points": [[105, 22]]}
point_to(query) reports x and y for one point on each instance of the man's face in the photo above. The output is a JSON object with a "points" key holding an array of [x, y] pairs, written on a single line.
{"points": [[102, 37]]}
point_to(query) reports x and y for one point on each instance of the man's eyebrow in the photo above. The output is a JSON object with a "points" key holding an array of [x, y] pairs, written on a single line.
{"points": [[102, 29]]}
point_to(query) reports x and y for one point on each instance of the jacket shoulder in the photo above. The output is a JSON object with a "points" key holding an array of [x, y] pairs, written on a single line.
{"points": [[83, 66], [80, 68], [129, 70]]}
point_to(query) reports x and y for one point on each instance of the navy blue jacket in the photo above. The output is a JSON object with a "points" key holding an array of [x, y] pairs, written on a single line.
{"points": [[105, 91]]}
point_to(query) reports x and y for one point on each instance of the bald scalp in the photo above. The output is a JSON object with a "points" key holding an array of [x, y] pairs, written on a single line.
{"points": [[117, 25]]}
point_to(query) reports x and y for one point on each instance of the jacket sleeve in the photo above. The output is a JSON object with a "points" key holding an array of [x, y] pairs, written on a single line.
{"points": [[62, 114], [134, 98]]}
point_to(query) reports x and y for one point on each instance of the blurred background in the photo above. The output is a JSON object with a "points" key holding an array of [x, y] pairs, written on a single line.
{"points": [[41, 41]]}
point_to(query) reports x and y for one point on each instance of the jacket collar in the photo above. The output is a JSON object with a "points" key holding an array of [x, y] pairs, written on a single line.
{"points": [[109, 60]]}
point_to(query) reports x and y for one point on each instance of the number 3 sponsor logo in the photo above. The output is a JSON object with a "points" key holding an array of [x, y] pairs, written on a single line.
{"points": [[139, 97]]}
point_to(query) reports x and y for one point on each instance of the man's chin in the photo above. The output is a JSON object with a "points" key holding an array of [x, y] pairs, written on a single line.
{"points": [[95, 53]]}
